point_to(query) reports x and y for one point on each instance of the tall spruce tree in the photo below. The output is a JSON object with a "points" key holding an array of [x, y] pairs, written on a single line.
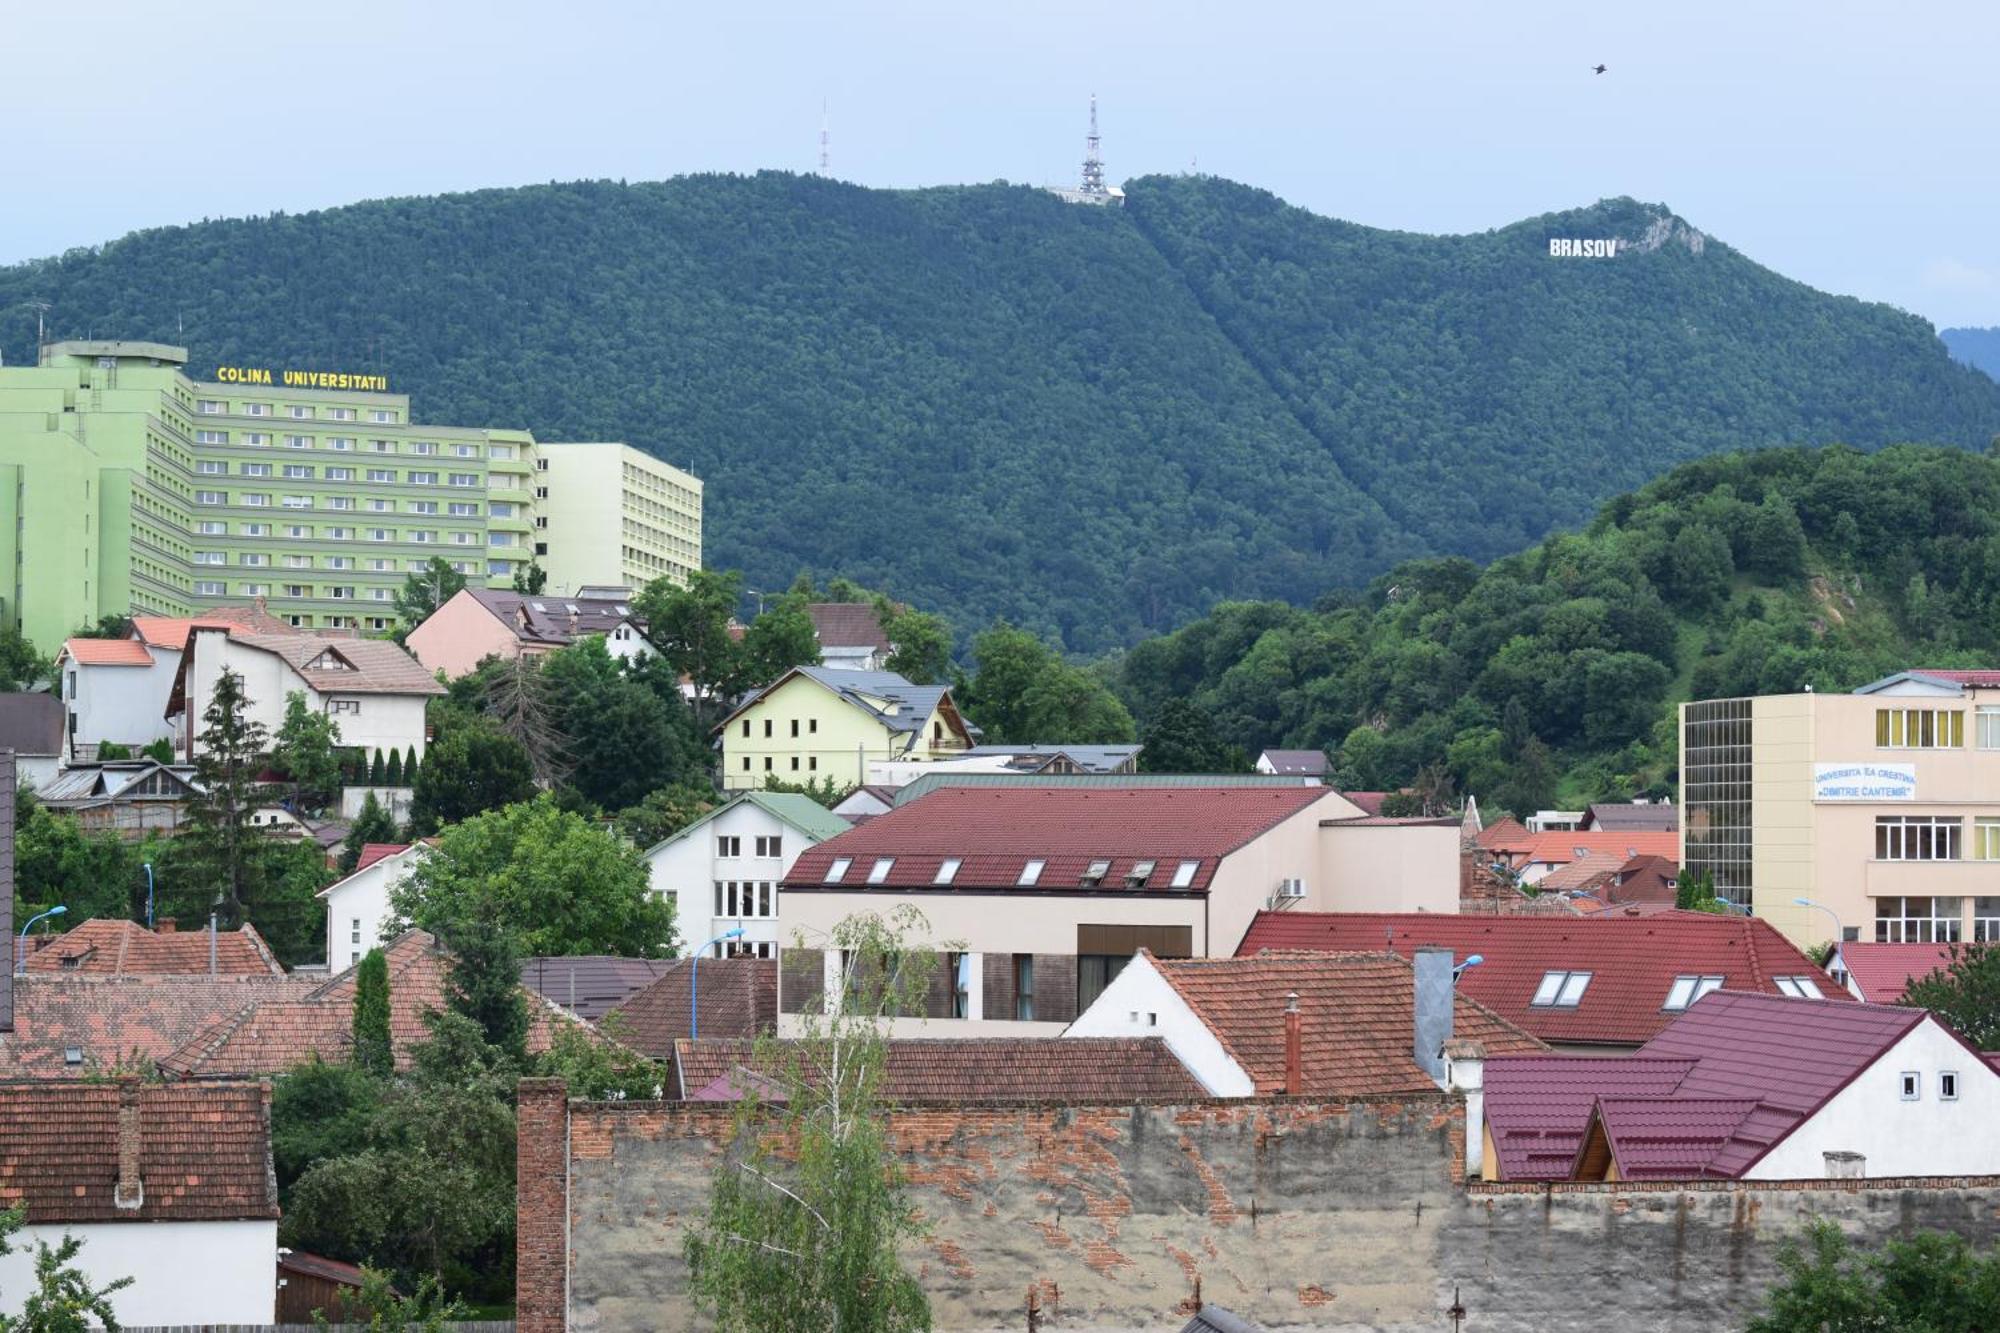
{"points": [[229, 755]]}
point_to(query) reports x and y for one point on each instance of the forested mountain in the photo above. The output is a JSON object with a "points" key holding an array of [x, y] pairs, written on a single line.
{"points": [[1094, 422], [1979, 348], [1553, 673]]}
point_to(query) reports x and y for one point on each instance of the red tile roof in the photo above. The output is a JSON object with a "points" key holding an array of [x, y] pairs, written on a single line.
{"points": [[847, 625], [1633, 960], [1722, 1084], [107, 947], [1370, 802], [1504, 834], [122, 1023], [108, 652], [1357, 1014], [371, 852], [1885, 971], [960, 1069], [204, 1151], [1564, 846], [739, 998], [172, 631], [995, 831], [1980, 680]]}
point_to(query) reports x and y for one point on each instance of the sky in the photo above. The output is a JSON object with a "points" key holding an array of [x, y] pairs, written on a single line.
{"points": [[1851, 146]]}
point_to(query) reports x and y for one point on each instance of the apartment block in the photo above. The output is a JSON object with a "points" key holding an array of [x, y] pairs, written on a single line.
{"points": [[581, 540]]}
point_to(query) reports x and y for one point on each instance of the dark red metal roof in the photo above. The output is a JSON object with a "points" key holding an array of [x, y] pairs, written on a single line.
{"points": [[1885, 971]]}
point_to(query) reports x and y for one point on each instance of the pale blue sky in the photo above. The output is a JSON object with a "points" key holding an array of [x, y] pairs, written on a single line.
{"points": [[1849, 145]]}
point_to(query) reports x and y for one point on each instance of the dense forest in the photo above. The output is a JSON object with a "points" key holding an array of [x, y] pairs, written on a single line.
{"points": [[1553, 673], [1974, 347], [1095, 423]]}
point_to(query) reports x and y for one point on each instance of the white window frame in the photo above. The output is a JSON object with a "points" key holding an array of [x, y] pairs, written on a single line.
{"points": [[1561, 989], [1912, 1086], [879, 872], [1031, 874], [947, 870], [1947, 1085], [837, 872]]}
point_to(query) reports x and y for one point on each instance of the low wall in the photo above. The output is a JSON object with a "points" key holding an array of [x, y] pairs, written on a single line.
{"points": [[1298, 1214]]}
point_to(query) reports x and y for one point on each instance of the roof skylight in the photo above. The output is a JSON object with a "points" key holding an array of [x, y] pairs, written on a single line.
{"points": [[838, 870]]}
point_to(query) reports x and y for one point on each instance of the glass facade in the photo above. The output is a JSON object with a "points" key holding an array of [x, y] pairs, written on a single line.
{"points": [[1715, 778]]}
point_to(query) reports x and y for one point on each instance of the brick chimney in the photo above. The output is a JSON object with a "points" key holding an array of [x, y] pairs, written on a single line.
{"points": [[1294, 1046], [1433, 968], [166, 926], [130, 1193]]}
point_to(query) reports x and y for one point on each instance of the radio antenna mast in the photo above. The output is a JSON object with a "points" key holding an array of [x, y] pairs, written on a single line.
{"points": [[822, 137]]}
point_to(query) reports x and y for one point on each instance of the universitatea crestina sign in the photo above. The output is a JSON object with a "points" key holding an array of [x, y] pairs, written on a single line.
{"points": [[302, 379]]}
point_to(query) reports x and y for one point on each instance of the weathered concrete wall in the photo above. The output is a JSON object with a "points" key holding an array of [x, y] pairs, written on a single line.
{"points": [[1300, 1215]]}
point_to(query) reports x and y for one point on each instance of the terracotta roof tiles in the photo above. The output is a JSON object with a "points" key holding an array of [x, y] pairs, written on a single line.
{"points": [[122, 1022], [958, 1069], [108, 652], [738, 997], [1884, 971], [848, 625], [107, 947]]}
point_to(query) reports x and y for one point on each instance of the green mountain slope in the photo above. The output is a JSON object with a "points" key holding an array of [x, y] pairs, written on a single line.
{"points": [[1979, 348], [1553, 674], [1094, 422]]}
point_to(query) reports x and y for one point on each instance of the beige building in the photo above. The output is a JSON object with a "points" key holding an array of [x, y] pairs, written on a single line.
{"points": [[818, 723], [1038, 896], [657, 531], [1880, 808]]}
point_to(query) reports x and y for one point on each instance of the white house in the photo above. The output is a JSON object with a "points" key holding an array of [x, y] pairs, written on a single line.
{"points": [[722, 871], [169, 1185], [357, 905], [373, 690], [31, 725], [116, 690]]}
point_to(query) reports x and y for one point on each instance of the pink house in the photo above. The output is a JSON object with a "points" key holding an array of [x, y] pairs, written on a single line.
{"points": [[479, 623]]}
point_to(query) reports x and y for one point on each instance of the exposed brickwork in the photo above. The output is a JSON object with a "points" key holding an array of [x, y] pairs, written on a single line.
{"points": [[801, 980], [541, 1178], [999, 983], [1055, 987]]}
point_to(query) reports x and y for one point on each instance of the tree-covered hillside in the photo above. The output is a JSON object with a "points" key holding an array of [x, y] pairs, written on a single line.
{"points": [[1979, 348], [1554, 673], [1093, 422]]}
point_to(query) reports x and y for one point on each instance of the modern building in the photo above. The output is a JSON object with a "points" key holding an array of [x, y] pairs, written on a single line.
{"points": [[478, 623], [127, 486], [1880, 809], [357, 904], [654, 532], [115, 691], [723, 870], [819, 723]]}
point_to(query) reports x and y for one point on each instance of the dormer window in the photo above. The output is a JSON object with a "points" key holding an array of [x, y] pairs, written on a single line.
{"points": [[1141, 871], [879, 872], [1799, 988], [1184, 874], [1031, 874], [1094, 876], [1686, 990], [1561, 990], [948, 871], [838, 870]]}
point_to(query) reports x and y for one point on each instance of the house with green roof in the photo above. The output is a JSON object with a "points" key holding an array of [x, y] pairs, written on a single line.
{"points": [[722, 871]]}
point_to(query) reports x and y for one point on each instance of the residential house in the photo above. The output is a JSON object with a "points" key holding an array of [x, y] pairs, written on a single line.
{"points": [[1305, 1024], [116, 690], [170, 1186], [850, 636], [1753, 1087], [94, 1026], [267, 1037], [374, 691], [819, 723], [357, 904], [1641, 884], [591, 985], [737, 999], [1582, 984], [1538, 854], [1639, 816], [866, 801], [1050, 760], [722, 871], [1048, 891], [477, 623], [129, 797], [1555, 821], [1879, 972], [31, 725], [1044, 1070], [934, 776], [1877, 810], [1296, 763], [108, 947]]}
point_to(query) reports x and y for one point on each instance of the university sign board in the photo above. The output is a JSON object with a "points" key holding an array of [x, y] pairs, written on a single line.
{"points": [[302, 379], [1864, 782]]}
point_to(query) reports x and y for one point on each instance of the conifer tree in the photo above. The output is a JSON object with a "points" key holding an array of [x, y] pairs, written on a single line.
{"points": [[372, 1049]]}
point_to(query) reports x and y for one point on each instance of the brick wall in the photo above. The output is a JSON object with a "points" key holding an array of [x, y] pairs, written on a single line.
{"points": [[999, 984], [541, 1182], [1297, 1214], [801, 980], [1055, 987]]}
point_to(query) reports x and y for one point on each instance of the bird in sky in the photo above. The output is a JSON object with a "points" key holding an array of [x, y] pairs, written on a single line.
{"points": [[1598, 69]]}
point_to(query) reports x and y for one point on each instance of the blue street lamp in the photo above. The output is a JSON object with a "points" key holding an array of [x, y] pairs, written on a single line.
{"points": [[149, 894], [694, 981], [1473, 961], [21, 954], [1839, 933]]}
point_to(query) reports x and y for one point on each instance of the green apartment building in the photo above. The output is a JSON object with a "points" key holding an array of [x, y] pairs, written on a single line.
{"points": [[125, 486]]}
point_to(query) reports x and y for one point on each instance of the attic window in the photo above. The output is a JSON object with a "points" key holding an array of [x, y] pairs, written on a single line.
{"points": [[1800, 988], [1031, 873], [948, 871], [1948, 1085], [72, 1055], [1561, 990], [329, 661], [1686, 990], [879, 872], [838, 870], [1184, 874], [1141, 871], [1094, 876]]}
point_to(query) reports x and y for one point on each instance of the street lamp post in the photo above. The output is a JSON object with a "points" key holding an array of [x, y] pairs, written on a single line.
{"points": [[1839, 932], [21, 954], [694, 981]]}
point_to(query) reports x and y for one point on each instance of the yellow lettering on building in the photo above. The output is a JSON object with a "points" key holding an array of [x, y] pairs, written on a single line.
{"points": [[303, 379]]}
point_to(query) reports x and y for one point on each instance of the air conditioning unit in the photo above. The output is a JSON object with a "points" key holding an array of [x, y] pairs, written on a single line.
{"points": [[1291, 888]]}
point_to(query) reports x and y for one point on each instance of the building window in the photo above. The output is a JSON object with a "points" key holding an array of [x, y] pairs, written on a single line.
{"points": [[1686, 990], [961, 984], [1986, 839], [462, 478], [256, 409], [767, 728], [1913, 1084], [255, 469], [298, 471], [795, 763], [1561, 990], [1986, 920], [1917, 837], [211, 407], [211, 437], [728, 846], [837, 872], [423, 478], [767, 763], [879, 872], [1094, 972], [349, 706], [211, 497], [812, 763], [1799, 988], [1094, 874], [1986, 726], [299, 413], [1918, 920], [1031, 874], [1948, 1085], [812, 726], [211, 467], [1919, 728], [354, 931], [746, 763], [1184, 874], [382, 415], [1024, 987], [208, 588], [771, 846], [948, 870], [795, 727], [298, 442]]}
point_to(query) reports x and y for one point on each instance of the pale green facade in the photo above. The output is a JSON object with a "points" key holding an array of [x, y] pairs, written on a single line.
{"points": [[126, 487]]}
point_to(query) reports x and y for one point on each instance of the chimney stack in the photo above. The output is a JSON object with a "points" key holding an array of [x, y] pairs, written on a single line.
{"points": [[130, 1193], [1433, 968], [166, 926], [211, 944], [1294, 1043]]}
